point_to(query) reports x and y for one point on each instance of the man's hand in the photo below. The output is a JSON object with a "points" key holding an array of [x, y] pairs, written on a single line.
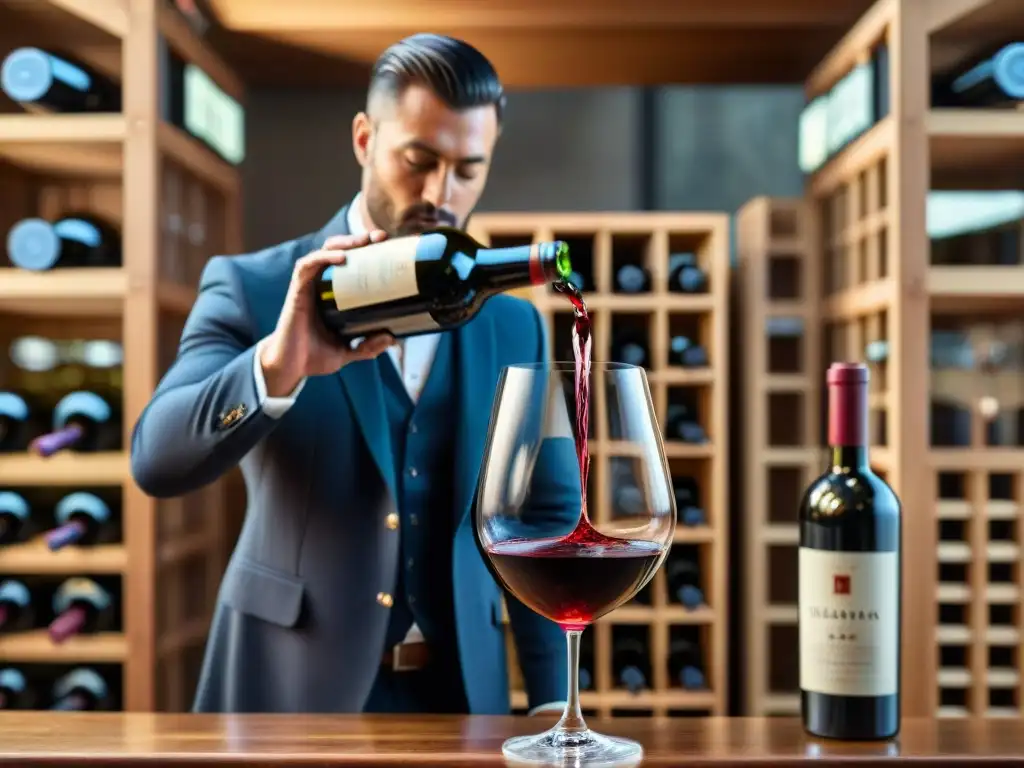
{"points": [[300, 346]]}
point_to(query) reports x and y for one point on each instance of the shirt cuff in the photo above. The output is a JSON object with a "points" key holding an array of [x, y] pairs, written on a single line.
{"points": [[274, 407], [551, 706]]}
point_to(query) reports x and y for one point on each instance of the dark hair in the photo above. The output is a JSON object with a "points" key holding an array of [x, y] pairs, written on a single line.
{"points": [[457, 72]]}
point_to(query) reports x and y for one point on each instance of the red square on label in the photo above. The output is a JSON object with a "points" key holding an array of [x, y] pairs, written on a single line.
{"points": [[841, 585]]}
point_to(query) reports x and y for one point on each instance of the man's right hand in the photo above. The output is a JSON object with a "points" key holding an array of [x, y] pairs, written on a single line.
{"points": [[300, 346]]}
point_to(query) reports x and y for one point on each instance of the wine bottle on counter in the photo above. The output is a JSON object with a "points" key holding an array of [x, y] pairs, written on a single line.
{"points": [[426, 283], [83, 519], [631, 348], [15, 422], [849, 576], [683, 352], [16, 610], [15, 692], [80, 606], [684, 275], [57, 83], [82, 421], [683, 576], [82, 689], [684, 663], [683, 425], [629, 662], [14, 517], [76, 240], [687, 494], [632, 278], [996, 81]]}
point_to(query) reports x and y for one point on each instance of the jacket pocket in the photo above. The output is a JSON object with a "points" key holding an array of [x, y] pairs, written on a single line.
{"points": [[263, 592]]}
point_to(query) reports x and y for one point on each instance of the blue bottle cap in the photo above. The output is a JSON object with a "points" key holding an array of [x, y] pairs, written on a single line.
{"points": [[33, 244], [26, 74]]}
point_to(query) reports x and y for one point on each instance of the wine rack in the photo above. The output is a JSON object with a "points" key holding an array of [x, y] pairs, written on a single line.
{"points": [[778, 375], [600, 245], [893, 297], [175, 203]]}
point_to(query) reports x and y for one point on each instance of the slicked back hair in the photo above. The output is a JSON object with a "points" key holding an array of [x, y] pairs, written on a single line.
{"points": [[460, 75]]}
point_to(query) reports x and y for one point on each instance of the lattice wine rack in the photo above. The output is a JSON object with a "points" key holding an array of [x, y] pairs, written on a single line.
{"points": [[666, 619], [779, 374], [174, 203], [938, 321]]}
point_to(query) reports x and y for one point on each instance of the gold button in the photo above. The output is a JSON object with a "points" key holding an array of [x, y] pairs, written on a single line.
{"points": [[385, 599], [391, 521]]}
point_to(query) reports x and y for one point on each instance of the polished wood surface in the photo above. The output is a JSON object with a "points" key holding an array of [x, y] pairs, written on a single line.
{"points": [[48, 739]]}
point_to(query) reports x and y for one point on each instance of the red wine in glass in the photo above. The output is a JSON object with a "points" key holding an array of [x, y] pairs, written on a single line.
{"points": [[578, 576]]}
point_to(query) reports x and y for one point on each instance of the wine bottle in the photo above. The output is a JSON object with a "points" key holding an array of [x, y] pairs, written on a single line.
{"points": [[849, 576], [15, 417], [426, 283], [83, 519], [996, 81], [57, 83], [631, 348], [80, 606], [632, 278], [630, 662], [683, 425], [15, 692], [683, 352], [627, 497], [81, 689], [16, 611], [684, 275], [14, 516], [684, 663], [82, 421], [683, 576], [78, 240], [687, 495]]}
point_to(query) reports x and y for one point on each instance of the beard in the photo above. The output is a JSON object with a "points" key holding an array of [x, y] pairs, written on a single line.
{"points": [[413, 220]]}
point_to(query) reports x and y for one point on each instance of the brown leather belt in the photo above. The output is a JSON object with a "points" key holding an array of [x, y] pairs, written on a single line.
{"points": [[407, 657]]}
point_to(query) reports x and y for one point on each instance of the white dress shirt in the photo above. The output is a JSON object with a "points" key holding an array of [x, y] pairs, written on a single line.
{"points": [[412, 357]]}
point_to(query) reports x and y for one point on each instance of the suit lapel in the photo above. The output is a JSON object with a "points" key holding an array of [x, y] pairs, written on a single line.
{"points": [[475, 382]]}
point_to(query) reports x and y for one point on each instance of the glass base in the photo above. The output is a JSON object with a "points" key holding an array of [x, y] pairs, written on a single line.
{"points": [[572, 748]]}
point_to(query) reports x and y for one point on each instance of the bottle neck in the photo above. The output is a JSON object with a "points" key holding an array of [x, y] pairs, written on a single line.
{"points": [[519, 266], [848, 425]]}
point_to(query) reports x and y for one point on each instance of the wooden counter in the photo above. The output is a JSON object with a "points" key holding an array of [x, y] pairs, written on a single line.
{"points": [[29, 740]]}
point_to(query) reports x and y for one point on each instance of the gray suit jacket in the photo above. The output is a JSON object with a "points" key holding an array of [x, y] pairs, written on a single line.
{"points": [[298, 626]]}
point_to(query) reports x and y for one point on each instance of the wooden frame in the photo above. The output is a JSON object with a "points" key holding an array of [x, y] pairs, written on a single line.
{"points": [[649, 238], [780, 376], [176, 203], [881, 286]]}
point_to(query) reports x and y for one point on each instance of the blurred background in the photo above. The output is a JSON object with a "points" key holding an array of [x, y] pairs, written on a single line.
{"points": [[752, 189]]}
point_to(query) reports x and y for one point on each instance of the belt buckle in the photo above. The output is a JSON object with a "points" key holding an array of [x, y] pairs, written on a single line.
{"points": [[396, 660]]}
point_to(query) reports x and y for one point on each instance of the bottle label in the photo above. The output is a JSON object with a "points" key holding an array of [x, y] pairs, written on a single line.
{"points": [[849, 622], [421, 322], [376, 273]]}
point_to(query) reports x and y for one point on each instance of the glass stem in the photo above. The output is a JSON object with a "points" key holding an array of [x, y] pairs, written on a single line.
{"points": [[572, 717]]}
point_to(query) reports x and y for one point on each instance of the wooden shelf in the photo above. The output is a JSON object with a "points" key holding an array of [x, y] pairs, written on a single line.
{"points": [[33, 557], [599, 242], [175, 204], [972, 148], [36, 647], [780, 375], [65, 145], [68, 469], [976, 290]]}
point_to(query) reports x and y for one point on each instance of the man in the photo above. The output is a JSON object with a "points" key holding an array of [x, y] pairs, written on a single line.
{"points": [[357, 584]]}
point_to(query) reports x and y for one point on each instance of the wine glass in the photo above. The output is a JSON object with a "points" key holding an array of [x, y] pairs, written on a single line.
{"points": [[560, 560]]}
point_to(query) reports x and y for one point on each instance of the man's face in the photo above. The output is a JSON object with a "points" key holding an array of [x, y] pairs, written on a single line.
{"points": [[424, 164]]}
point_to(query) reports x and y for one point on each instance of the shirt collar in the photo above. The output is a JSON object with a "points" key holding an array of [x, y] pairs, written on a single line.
{"points": [[355, 217]]}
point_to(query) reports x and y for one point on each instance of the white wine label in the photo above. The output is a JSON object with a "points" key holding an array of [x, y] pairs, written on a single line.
{"points": [[376, 273], [849, 622]]}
